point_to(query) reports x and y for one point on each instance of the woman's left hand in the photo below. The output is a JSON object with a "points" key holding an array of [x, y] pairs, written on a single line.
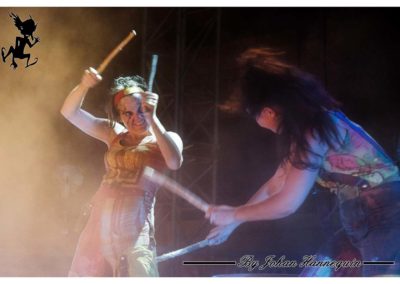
{"points": [[149, 105], [221, 215]]}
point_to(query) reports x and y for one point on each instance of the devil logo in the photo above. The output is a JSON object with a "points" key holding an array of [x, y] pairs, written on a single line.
{"points": [[26, 28]]}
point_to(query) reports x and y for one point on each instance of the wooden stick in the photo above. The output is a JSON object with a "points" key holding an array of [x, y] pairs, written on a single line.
{"points": [[115, 51], [154, 176]]}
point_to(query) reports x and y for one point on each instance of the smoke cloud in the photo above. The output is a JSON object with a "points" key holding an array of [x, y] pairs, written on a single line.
{"points": [[48, 168]]}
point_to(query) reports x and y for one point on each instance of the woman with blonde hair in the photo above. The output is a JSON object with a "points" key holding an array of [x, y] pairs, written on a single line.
{"points": [[118, 239]]}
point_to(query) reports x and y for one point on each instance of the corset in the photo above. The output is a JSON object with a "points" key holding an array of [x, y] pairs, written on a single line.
{"points": [[125, 164]]}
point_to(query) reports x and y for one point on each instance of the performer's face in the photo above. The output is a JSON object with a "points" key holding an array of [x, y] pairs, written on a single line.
{"points": [[268, 118], [131, 114]]}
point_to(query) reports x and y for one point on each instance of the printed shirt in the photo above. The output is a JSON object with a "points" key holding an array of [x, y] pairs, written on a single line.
{"points": [[359, 156]]}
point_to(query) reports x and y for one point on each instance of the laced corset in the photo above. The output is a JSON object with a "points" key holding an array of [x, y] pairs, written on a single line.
{"points": [[124, 164]]}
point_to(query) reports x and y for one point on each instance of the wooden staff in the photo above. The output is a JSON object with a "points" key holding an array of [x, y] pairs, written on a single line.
{"points": [[168, 183], [115, 51]]}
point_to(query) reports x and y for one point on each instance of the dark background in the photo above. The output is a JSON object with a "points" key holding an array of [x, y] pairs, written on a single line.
{"points": [[354, 51]]}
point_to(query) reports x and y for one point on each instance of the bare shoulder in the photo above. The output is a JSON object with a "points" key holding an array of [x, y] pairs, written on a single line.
{"points": [[176, 138], [174, 135]]}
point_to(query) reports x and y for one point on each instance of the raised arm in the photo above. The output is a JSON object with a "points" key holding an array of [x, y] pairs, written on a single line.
{"points": [[169, 142], [72, 110]]}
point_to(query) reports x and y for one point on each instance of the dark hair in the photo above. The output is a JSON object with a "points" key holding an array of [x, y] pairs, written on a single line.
{"points": [[121, 83], [299, 99]]}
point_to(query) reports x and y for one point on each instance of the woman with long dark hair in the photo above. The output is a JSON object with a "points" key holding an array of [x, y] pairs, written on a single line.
{"points": [[319, 144]]}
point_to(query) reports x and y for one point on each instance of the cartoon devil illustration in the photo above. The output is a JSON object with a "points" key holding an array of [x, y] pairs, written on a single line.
{"points": [[26, 28]]}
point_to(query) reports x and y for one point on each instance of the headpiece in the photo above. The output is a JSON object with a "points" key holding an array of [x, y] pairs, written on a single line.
{"points": [[123, 93]]}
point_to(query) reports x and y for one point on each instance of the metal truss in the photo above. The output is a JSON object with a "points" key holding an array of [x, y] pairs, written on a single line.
{"points": [[188, 44]]}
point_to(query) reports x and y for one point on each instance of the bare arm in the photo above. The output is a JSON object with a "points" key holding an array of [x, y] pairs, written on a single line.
{"points": [[169, 142], [296, 186], [273, 186], [170, 145], [220, 234], [72, 110]]}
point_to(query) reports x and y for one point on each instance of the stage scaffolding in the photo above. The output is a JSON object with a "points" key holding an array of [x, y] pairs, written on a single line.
{"points": [[187, 41]]}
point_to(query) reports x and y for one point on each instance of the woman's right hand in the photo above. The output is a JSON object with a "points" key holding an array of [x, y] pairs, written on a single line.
{"points": [[90, 78], [220, 234]]}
